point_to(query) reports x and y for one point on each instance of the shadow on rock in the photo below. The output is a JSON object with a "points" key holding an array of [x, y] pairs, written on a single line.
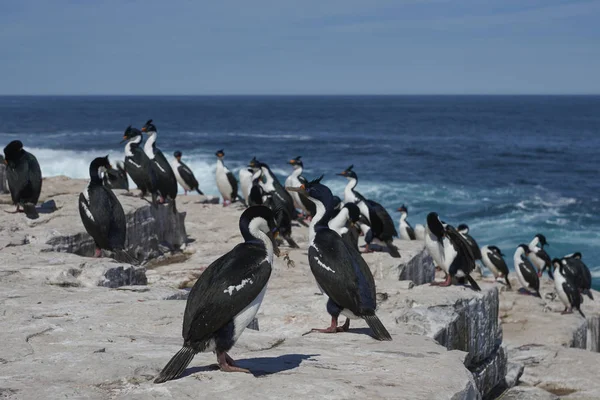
{"points": [[260, 366]]}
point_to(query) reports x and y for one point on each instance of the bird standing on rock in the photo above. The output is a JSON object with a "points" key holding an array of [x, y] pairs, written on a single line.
{"points": [[526, 272], [24, 178], [227, 296], [492, 258], [537, 254], [137, 163], [184, 175], [164, 183], [339, 269], [102, 214], [449, 250], [567, 290], [228, 186]]}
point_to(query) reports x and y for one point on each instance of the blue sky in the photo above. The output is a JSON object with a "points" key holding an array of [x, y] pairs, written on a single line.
{"points": [[299, 47]]}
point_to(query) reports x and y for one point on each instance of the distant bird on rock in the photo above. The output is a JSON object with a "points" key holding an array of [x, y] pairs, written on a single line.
{"points": [[567, 290], [526, 272], [228, 186], [449, 250], [492, 258], [184, 174]]}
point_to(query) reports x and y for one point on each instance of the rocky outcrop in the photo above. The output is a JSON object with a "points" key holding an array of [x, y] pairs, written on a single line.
{"points": [[461, 319], [3, 176], [149, 231], [419, 269]]}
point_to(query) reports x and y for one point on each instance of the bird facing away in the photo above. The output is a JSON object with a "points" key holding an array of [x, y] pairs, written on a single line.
{"points": [[340, 270], [227, 296], [24, 178]]}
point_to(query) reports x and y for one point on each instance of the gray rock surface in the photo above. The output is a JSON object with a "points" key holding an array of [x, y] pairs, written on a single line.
{"points": [[3, 176], [67, 337], [419, 269], [528, 393]]}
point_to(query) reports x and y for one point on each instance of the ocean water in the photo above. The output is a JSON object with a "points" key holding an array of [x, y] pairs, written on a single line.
{"points": [[508, 166]]}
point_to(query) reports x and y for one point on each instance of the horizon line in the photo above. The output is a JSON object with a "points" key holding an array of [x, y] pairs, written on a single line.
{"points": [[297, 95]]}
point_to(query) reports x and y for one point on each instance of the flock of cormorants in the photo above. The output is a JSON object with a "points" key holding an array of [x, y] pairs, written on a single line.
{"points": [[227, 296]]}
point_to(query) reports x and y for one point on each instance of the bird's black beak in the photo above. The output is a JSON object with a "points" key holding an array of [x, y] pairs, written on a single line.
{"points": [[273, 236], [342, 174], [125, 138]]}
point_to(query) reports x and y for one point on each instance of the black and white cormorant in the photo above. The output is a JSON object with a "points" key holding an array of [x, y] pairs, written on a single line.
{"points": [[271, 184], [463, 229], [406, 230], [164, 183], [577, 272], [226, 183], [184, 175], [492, 258], [246, 177], [449, 250], [379, 220], [538, 256], [296, 180], [343, 221], [24, 178], [567, 289], [526, 272], [116, 178], [257, 194], [340, 270], [137, 163], [227, 296], [102, 214]]}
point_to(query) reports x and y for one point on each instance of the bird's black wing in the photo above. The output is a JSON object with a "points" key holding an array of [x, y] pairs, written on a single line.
{"points": [[19, 180], [187, 175], [529, 272], [118, 224], [474, 246], [464, 260], [227, 286], [359, 196], [341, 274], [382, 224], [541, 253], [35, 179], [498, 262], [572, 272], [575, 298], [234, 185], [167, 183], [96, 214], [410, 231]]}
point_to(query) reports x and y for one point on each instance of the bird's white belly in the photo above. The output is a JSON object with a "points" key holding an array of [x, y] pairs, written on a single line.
{"points": [[435, 251], [404, 232], [179, 178], [489, 264], [420, 232], [558, 282], [538, 262], [520, 276], [349, 314], [241, 321], [223, 184]]}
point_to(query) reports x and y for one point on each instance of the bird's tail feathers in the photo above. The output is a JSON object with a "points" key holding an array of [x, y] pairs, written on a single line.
{"points": [[581, 312], [177, 365], [199, 191], [379, 331], [507, 281], [588, 293], [393, 249], [474, 284]]}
